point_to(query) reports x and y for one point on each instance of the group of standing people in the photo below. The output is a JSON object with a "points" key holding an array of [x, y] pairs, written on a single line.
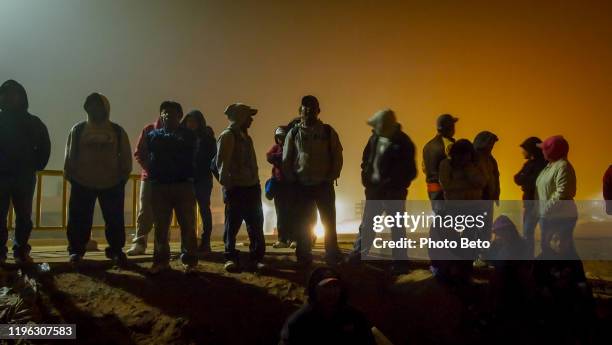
{"points": [[179, 156]]}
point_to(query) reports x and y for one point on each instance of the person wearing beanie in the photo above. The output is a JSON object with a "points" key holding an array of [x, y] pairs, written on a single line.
{"points": [[206, 149], [526, 179], [171, 150], [327, 317], [556, 189], [607, 190], [24, 149], [236, 164], [434, 152], [388, 167], [312, 158], [283, 193], [144, 220], [94, 143]]}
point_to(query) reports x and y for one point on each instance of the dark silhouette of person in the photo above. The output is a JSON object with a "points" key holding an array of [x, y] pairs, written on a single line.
{"points": [[326, 318], [388, 167], [526, 179], [24, 149]]}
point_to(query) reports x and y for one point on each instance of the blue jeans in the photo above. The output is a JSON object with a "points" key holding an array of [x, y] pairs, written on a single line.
{"points": [[19, 190], [80, 217], [244, 204], [203, 189], [530, 222]]}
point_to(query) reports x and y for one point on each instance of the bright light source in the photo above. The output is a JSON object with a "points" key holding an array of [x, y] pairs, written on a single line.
{"points": [[319, 230]]}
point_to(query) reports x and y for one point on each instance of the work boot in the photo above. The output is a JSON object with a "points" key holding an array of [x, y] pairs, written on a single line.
{"points": [[190, 268], [280, 244], [231, 266], [293, 245], [75, 260]]}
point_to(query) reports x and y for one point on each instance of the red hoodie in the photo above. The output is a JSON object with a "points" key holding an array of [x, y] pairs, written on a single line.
{"points": [[142, 152], [275, 157]]}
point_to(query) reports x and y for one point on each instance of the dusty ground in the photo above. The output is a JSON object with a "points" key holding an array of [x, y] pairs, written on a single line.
{"points": [[112, 306]]}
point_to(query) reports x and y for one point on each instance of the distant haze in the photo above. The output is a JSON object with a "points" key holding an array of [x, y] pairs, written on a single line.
{"points": [[516, 68]]}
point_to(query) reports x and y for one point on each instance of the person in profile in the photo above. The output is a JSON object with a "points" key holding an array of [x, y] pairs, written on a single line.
{"points": [[206, 149], [24, 149], [144, 221], [236, 164], [434, 152], [387, 168], [607, 190], [483, 145], [312, 158], [556, 189], [326, 318], [526, 179], [94, 143], [171, 170], [462, 182]]}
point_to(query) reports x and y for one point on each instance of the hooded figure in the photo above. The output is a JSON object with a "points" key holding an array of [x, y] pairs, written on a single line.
{"points": [[528, 174], [24, 149], [96, 143], [556, 189], [483, 144], [326, 318], [24, 140], [92, 144]]}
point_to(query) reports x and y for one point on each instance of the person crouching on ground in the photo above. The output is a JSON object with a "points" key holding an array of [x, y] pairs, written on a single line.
{"points": [[236, 164], [92, 144], [327, 318], [171, 151]]}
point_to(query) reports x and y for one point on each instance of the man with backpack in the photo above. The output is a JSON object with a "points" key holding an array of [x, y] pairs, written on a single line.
{"points": [[92, 144], [236, 165], [24, 149], [312, 157]]}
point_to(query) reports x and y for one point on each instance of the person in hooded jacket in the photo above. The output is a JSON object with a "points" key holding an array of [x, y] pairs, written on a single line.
{"points": [[483, 145], [144, 221], [387, 168], [526, 179], [171, 170], [236, 163], [556, 189], [24, 149], [206, 149], [94, 143], [607, 189], [327, 318], [312, 158]]}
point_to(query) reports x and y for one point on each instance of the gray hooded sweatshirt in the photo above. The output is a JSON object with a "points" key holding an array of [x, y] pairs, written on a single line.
{"points": [[96, 157]]}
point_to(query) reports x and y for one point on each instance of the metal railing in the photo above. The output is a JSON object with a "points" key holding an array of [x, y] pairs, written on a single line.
{"points": [[37, 208]]}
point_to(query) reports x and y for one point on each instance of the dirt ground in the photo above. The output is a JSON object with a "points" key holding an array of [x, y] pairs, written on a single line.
{"points": [[126, 306]]}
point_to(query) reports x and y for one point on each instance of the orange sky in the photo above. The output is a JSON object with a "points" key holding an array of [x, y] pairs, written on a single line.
{"points": [[516, 68]]}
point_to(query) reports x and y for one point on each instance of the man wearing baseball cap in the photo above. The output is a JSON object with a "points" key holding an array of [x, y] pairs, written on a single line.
{"points": [[236, 164], [312, 158], [435, 151]]}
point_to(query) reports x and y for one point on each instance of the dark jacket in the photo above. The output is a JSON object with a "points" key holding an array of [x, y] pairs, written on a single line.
{"points": [[433, 153], [206, 149], [24, 140], [171, 155], [527, 176], [396, 165], [307, 326]]}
